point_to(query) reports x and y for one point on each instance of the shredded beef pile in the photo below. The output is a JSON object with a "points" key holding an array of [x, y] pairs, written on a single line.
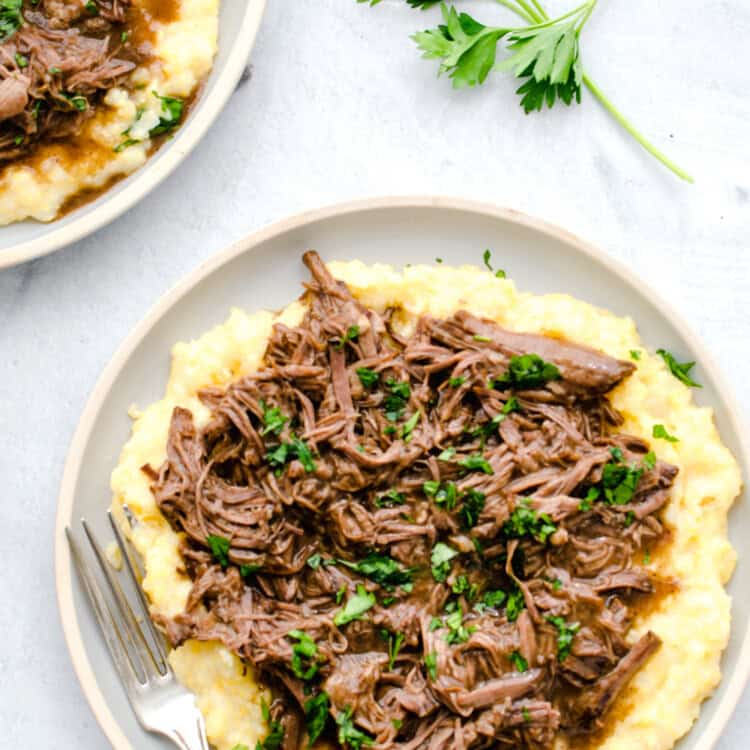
{"points": [[423, 542], [55, 67]]}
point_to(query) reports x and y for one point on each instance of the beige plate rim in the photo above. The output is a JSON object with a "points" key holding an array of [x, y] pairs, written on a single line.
{"points": [[154, 171], [81, 664]]}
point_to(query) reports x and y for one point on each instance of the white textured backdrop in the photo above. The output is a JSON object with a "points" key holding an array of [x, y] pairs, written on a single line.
{"points": [[338, 106]]}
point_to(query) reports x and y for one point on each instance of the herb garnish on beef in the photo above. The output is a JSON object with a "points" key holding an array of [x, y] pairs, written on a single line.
{"points": [[462, 579]]}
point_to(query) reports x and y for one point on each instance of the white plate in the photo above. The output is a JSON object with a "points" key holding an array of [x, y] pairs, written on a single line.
{"points": [[265, 271], [239, 21]]}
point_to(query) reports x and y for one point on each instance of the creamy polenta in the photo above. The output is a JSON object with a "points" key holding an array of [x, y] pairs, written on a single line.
{"points": [[116, 141], [664, 698]]}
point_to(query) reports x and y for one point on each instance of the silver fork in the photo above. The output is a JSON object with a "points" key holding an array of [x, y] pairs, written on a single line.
{"points": [[160, 703]]}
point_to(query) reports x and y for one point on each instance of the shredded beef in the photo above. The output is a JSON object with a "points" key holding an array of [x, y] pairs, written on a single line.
{"points": [[55, 69], [479, 505]]}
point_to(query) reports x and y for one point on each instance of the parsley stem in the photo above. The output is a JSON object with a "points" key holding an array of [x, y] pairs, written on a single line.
{"points": [[539, 16], [518, 11], [625, 123]]}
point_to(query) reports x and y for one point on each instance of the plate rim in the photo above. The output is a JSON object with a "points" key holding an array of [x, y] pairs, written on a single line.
{"points": [[151, 174], [63, 578]]}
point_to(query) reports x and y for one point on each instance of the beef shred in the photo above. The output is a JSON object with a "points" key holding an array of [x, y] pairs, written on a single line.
{"points": [[57, 65], [423, 541]]}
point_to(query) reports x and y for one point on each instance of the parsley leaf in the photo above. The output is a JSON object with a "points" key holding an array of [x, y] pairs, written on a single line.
{"points": [[649, 460], [11, 18], [303, 652], [316, 716], [527, 371], [352, 333], [350, 734], [356, 606], [473, 505], [635, 354], [283, 453], [444, 494], [681, 370], [248, 570], [390, 498], [409, 425], [525, 521], [396, 401], [516, 604], [395, 641], [381, 569], [275, 734], [494, 599], [476, 463], [367, 377], [219, 546], [273, 420], [660, 431], [619, 483], [457, 632], [430, 661], [457, 381], [440, 559], [565, 634], [170, 115], [520, 664]]}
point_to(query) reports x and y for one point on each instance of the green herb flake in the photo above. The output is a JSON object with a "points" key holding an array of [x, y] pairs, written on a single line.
{"points": [[481, 339], [21, 60], [169, 116], [476, 463], [527, 371], [660, 431], [524, 521], [316, 716], [381, 569], [440, 559], [11, 18], [409, 425], [352, 334], [369, 378], [349, 734], [273, 420], [304, 665], [516, 604], [649, 460], [219, 547], [355, 607], [247, 570], [635, 354], [430, 661], [447, 454], [457, 381], [681, 370], [473, 505], [390, 498], [520, 664], [275, 736], [395, 642], [565, 634]]}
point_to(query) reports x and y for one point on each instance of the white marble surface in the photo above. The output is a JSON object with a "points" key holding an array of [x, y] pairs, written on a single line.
{"points": [[340, 106]]}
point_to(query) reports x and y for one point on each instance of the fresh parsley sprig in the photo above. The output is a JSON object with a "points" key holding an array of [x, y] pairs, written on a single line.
{"points": [[545, 55]]}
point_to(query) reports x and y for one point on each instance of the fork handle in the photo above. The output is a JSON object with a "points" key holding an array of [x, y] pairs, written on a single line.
{"points": [[192, 736]]}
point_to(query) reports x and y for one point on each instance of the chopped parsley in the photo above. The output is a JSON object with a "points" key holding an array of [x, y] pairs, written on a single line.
{"points": [[170, 114], [390, 498], [430, 661], [395, 641], [396, 401], [487, 257], [516, 604], [297, 448], [444, 494], [341, 593], [520, 664], [457, 381], [649, 460], [660, 431], [493, 599], [21, 60], [10, 18], [440, 559], [382, 569], [316, 716], [635, 354], [565, 634], [619, 482], [681, 370], [447, 454], [525, 521], [248, 570], [526, 714], [369, 378], [457, 631], [91, 8], [273, 420], [409, 425], [355, 607], [275, 731], [527, 371], [473, 505], [592, 495], [476, 463], [219, 546], [304, 665], [481, 339], [350, 734], [352, 334]]}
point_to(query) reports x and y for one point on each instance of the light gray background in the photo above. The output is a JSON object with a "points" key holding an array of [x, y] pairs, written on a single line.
{"points": [[340, 106]]}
